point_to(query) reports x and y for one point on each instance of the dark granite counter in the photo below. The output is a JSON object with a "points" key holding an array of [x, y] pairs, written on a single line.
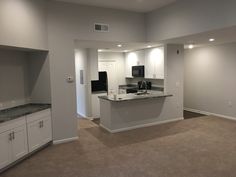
{"points": [[133, 97], [19, 111]]}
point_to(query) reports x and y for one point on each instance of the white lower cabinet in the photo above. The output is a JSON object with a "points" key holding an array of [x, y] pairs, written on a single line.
{"points": [[96, 105], [5, 152], [39, 129], [23, 135], [19, 143], [13, 142]]}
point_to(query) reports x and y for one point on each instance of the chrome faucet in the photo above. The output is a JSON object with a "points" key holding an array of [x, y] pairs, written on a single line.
{"points": [[144, 83]]}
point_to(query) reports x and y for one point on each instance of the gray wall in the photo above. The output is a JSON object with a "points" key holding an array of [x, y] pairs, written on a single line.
{"points": [[67, 22], [187, 17], [23, 23], [14, 78], [39, 77], [24, 78], [82, 89], [210, 82], [173, 83]]}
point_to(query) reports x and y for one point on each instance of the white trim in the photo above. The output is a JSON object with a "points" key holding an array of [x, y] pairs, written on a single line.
{"points": [[141, 126], [65, 140], [210, 113]]}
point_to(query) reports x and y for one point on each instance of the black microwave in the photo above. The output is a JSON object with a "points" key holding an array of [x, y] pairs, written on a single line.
{"points": [[138, 71]]}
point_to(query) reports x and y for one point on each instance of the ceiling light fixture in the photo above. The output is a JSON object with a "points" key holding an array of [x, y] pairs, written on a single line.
{"points": [[149, 46], [100, 50], [212, 40], [191, 46], [125, 50], [119, 45]]}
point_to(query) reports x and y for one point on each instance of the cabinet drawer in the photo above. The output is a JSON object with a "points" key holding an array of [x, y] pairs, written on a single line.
{"points": [[38, 115], [12, 124]]}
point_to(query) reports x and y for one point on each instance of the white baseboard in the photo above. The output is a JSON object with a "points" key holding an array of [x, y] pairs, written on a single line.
{"points": [[210, 113], [65, 140], [140, 126]]}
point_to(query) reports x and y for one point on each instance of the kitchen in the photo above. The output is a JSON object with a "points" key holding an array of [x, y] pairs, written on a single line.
{"points": [[127, 72], [51, 53]]}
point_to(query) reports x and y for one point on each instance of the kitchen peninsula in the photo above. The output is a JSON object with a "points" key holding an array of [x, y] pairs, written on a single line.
{"points": [[129, 111]]}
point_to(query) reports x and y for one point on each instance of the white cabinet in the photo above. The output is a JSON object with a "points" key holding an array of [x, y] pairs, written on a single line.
{"points": [[133, 59], [19, 142], [96, 105], [154, 63], [5, 151], [13, 141], [39, 129]]}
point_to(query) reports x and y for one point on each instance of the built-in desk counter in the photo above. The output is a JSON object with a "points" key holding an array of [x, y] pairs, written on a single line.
{"points": [[130, 111]]}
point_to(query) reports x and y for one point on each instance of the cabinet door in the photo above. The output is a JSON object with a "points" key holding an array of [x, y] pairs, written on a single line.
{"points": [[19, 142], [46, 130], [5, 149], [131, 59], [159, 64], [34, 135], [154, 63]]}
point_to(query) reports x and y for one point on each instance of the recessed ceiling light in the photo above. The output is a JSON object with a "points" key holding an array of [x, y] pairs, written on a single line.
{"points": [[149, 46], [100, 50], [119, 45], [191, 46], [212, 40]]}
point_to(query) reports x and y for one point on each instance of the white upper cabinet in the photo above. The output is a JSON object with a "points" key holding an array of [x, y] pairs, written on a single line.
{"points": [[133, 59], [154, 63]]}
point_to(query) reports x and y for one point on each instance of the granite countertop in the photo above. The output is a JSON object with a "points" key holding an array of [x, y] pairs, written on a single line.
{"points": [[19, 111], [132, 97]]}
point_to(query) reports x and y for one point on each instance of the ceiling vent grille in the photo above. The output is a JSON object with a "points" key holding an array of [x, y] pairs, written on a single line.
{"points": [[99, 27]]}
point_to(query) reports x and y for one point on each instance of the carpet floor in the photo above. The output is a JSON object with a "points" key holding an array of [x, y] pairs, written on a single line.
{"points": [[201, 147], [190, 115]]}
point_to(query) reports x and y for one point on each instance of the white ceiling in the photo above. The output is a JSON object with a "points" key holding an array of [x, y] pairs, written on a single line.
{"points": [[112, 46], [131, 5], [221, 36]]}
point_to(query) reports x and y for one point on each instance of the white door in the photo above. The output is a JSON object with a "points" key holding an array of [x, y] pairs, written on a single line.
{"points": [[46, 130], [19, 142], [34, 135], [5, 149], [110, 68]]}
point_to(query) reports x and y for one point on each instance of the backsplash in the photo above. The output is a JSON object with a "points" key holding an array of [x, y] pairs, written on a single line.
{"points": [[13, 103]]}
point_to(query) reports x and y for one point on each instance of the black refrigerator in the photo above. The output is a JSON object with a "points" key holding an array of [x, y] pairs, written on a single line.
{"points": [[101, 84]]}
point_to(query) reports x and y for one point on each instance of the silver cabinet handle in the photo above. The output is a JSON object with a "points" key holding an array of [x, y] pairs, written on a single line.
{"points": [[13, 135], [40, 124], [10, 136]]}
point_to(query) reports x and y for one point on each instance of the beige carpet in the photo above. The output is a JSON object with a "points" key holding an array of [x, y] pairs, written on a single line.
{"points": [[200, 147]]}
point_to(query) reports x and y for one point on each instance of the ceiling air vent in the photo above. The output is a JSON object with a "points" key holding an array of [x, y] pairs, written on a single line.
{"points": [[99, 27]]}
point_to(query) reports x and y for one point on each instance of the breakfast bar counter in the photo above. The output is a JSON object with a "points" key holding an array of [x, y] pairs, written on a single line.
{"points": [[129, 111]]}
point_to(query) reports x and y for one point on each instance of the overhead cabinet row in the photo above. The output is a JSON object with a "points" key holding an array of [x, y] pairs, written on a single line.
{"points": [[152, 59]]}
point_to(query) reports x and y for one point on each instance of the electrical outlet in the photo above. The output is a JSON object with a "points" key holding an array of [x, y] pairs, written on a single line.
{"points": [[230, 104]]}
